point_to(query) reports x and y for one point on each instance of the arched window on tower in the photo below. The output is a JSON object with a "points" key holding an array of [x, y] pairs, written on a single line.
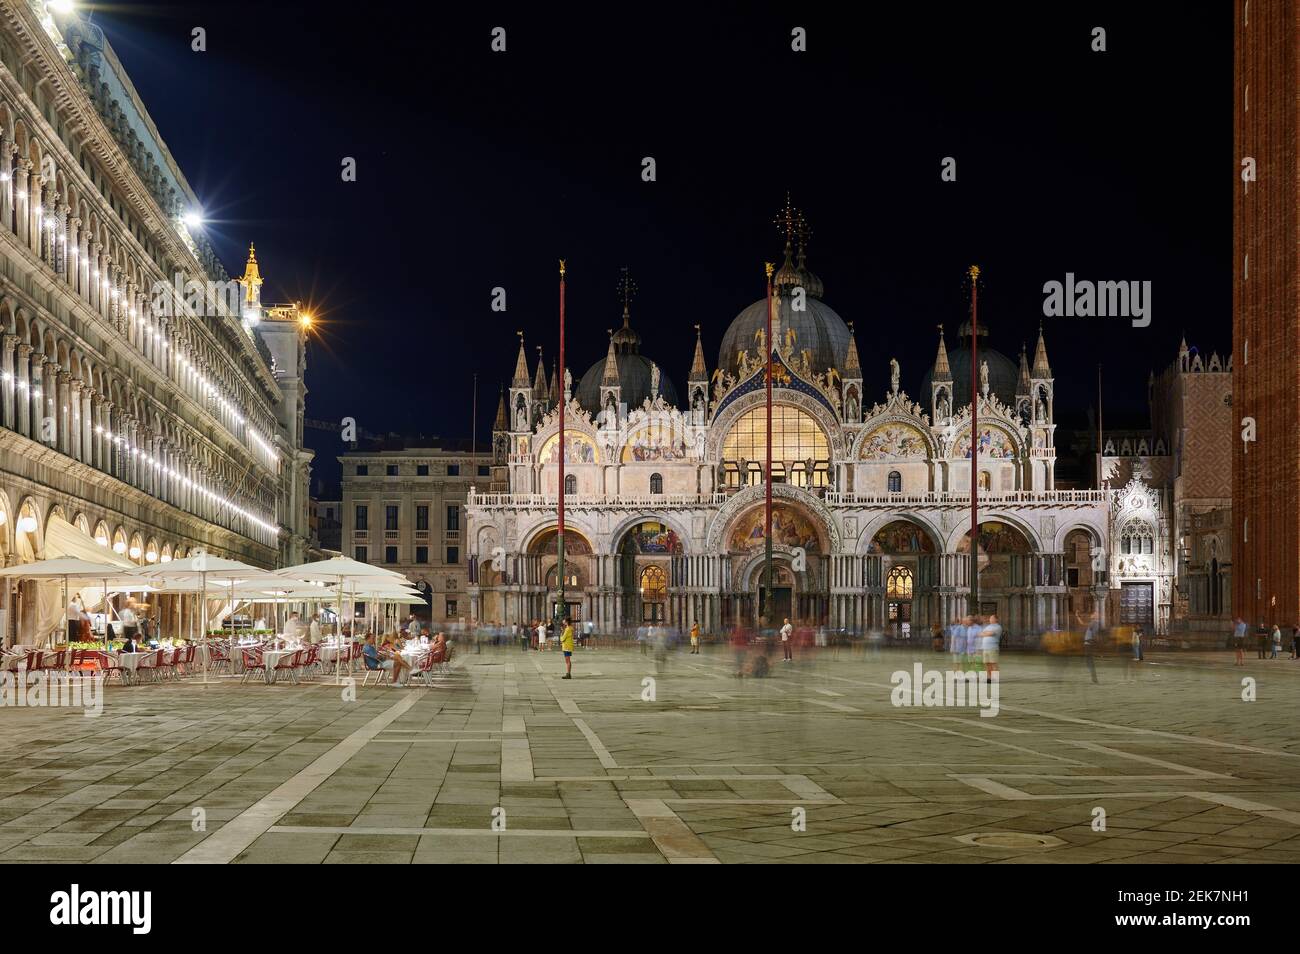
{"points": [[656, 483], [570, 485], [895, 482]]}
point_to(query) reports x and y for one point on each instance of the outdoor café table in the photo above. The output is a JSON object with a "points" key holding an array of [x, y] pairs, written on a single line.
{"points": [[330, 654], [130, 661], [272, 656]]}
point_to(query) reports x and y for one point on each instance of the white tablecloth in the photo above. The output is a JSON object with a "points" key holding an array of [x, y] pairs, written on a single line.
{"points": [[272, 656]]}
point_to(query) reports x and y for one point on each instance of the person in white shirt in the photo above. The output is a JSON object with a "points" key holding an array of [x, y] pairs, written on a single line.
{"points": [[130, 628], [990, 640], [293, 627], [75, 612], [541, 636], [313, 631], [786, 632]]}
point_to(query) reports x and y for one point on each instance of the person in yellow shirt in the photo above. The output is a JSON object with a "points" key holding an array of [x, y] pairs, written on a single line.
{"points": [[566, 644], [695, 639]]}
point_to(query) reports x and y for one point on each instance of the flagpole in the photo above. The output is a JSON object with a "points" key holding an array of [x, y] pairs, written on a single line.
{"points": [[559, 539], [768, 268], [974, 273]]}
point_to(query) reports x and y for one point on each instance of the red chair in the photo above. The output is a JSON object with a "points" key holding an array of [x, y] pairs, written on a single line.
{"points": [[51, 661], [107, 665], [253, 662], [289, 663], [150, 667]]}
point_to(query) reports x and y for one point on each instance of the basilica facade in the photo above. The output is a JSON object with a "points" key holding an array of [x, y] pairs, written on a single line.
{"points": [[665, 489]]}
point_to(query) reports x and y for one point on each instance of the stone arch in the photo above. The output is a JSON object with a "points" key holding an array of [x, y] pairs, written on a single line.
{"points": [[831, 428], [744, 499], [628, 524], [880, 523], [29, 531]]}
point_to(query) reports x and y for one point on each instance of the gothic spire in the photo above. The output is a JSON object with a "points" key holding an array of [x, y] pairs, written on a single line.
{"points": [[610, 378], [520, 379], [941, 370], [1022, 385], [502, 423], [852, 369], [555, 383], [540, 387], [699, 370], [1041, 367]]}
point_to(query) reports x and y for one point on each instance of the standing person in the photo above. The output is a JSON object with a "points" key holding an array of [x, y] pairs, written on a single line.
{"points": [[1239, 641], [541, 636], [293, 628], [130, 627], [1090, 639], [1295, 641], [313, 631], [786, 632], [990, 641], [1261, 639], [695, 638], [1277, 641], [957, 641], [566, 644], [1137, 643], [75, 612], [588, 630], [974, 657]]}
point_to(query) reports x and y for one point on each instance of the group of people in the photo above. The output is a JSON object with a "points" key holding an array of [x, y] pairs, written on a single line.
{"points": [[973, 642], [544, 636], [387, 653], [303, 631], [1264, 640], [132, 625]]}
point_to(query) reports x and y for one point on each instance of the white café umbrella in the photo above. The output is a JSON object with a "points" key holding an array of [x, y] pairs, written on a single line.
{"points": [[70, 568], [205, 568], [340, 570]]}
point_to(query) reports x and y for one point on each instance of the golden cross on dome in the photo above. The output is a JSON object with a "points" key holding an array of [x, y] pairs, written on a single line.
{"points": [[626, 291], [785, 220]]}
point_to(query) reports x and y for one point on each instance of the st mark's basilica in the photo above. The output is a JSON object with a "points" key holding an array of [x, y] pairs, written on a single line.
{"points": [[664, 488]]}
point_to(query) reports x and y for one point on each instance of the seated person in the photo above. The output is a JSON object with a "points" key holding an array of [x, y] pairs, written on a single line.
{"points": [[130, 645], [373, 659]]}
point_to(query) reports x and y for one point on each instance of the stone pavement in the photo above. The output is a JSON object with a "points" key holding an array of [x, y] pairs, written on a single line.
{"points": [[713, 769]]}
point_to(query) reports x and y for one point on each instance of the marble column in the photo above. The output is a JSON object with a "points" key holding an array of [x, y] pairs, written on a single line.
{"points": [[62, 411], [87, 427], [8, 378], [74, 417], [22, 217], [23, 390]]}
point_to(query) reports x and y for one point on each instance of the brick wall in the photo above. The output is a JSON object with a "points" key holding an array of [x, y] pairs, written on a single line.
{"points": [[1266, 312]]}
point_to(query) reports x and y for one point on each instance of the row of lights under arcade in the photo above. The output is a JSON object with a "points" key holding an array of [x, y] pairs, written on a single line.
{"points": [[28, 525]]}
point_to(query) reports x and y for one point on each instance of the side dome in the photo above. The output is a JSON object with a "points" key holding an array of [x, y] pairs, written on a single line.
{"points": [[634, 377]]}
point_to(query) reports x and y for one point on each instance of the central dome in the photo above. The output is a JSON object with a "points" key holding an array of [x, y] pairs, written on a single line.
{"points": [[817, 328]]}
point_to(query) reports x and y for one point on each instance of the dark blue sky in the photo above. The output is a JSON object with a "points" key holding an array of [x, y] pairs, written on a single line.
{"points": [[478, 169]]}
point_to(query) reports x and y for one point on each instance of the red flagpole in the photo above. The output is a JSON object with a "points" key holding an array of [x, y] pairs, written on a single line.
{"points": [[767, 500], [974, 443], [560, 607]]}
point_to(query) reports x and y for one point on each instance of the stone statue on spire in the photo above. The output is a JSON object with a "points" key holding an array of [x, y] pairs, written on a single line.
{"points": [[893, 375]]}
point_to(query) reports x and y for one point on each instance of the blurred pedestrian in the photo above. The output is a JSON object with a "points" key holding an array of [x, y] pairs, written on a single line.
{"points": [[990, 642], [1277, 641], [695, 638], [786, 632], [1091, 637], [1239, 641]]}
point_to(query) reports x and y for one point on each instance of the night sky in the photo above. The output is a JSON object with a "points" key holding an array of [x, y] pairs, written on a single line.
{"points": [[478, 169]]}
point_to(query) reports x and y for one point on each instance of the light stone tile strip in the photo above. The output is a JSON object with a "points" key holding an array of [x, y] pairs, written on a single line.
{"points": [[225, 844], [516, 760], [671, 835], [597, 746], [838, 707], [468, 832], [1005, 745]]}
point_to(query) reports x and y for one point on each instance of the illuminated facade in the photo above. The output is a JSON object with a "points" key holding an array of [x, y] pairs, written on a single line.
{"points": [[148, 398], [665, 496]]}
